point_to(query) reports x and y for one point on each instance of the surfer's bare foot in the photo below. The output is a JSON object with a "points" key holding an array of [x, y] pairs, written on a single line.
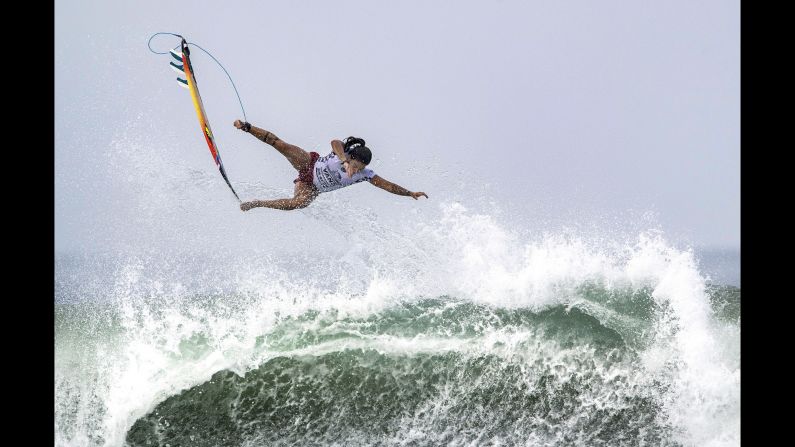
{"points": [[245, 206], [242, 125]]}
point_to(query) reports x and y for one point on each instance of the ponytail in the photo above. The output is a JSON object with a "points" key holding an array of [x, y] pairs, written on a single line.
{"points": [[352, 142]]}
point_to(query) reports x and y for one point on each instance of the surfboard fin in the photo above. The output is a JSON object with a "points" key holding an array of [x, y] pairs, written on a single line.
{"points": [[177, 54], [179, 68]]}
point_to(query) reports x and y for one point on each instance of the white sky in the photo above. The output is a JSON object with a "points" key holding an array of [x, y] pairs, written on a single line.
{"points": [[557, 110]]}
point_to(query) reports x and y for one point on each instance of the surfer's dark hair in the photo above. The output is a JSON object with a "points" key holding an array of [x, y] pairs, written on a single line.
{"points": [[356, 150], [361, 153]]}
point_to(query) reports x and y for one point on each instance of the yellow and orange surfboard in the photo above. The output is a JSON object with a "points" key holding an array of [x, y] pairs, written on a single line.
{"points": [[186, 68]]}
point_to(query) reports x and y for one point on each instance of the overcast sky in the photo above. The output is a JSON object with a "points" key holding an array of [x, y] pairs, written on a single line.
{"points": [[556, 110]]}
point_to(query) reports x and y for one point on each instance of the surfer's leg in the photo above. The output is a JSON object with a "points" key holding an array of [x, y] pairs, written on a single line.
{"points": [[304, 195], [297, 157]]}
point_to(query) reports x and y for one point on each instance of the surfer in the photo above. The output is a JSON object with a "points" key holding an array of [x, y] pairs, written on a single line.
{"points": [[344, 166]]}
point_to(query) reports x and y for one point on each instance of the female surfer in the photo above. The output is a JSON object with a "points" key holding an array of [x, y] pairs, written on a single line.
{"points": [[344, 166]]}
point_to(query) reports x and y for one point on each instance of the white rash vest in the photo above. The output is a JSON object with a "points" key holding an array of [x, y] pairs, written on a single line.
{"points": [[329, 174]]}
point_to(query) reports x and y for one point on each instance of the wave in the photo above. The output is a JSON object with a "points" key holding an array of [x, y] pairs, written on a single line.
{"points": [[454, 333], [428, 373]]}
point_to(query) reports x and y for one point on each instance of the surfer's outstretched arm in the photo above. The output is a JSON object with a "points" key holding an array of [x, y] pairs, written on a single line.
{"points": [[386, 185]]}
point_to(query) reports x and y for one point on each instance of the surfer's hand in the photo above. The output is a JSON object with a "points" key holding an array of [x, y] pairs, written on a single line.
{"points": [[416, 195], [245, 206], [348, 169]]}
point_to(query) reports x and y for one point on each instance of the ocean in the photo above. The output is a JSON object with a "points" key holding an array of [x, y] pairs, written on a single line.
{"points": [[465, 331]]}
